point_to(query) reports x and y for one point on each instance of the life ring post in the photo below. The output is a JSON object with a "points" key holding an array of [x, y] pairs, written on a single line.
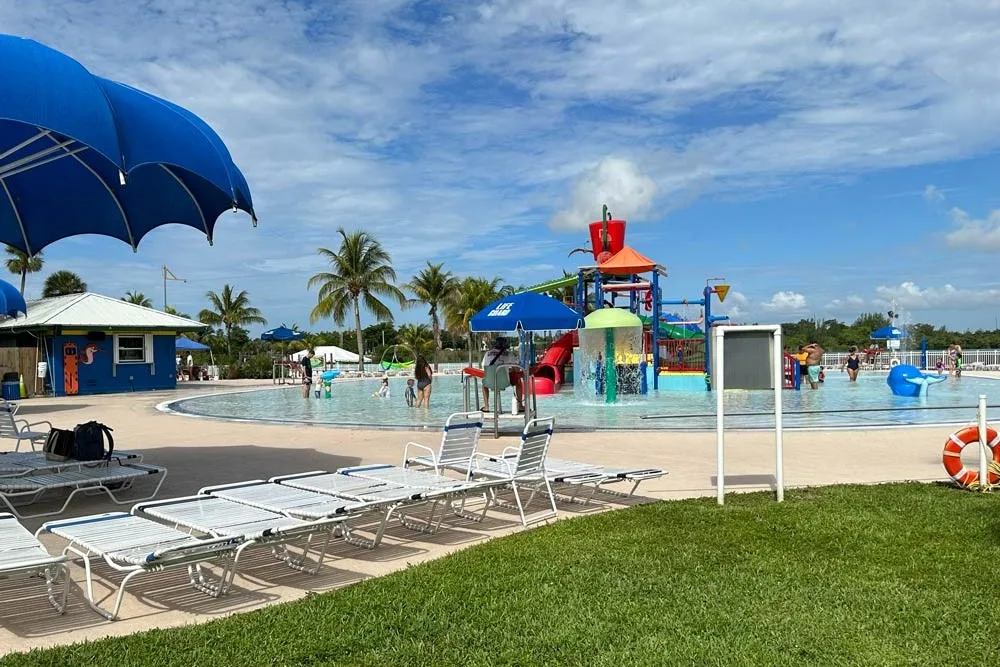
{"points": [[984, 440]]}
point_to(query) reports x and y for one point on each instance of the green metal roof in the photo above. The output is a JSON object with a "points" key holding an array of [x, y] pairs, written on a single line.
{"points": [[565, 281]]}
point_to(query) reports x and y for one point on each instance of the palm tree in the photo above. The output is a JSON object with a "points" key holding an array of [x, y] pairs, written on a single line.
{"points": [[230, 311], [170, 310], [361, 272], [63, 282], [416, 337], [18, 262], [138, 298], [433, 287], [472, 295]]}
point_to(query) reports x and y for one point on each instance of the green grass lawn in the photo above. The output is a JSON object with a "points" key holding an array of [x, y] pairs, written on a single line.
{"points": [[850, 575]]}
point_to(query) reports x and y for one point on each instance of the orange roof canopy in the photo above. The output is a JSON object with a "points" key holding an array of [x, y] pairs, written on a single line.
{"points": [[627, 260]]}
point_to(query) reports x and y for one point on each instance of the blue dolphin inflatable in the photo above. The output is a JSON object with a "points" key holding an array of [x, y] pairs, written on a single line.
{"points": [[907, 380]]}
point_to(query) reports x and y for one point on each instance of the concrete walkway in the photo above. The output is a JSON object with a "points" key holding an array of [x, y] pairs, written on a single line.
{"points": [[199, 452]]}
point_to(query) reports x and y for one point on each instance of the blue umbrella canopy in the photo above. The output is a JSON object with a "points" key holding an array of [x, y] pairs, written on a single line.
{"points": [[526, 311], [281, 334], [80, 154], [11, 301], [184, 343], [888, 333]]}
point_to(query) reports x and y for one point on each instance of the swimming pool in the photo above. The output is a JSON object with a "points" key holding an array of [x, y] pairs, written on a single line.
{"points": [[352, 404]]}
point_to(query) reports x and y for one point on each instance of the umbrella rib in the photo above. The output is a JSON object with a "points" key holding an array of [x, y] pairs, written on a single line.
{"points": [[114, 198], [17, 215], [32, 161], [204, 222], [24, 143]]}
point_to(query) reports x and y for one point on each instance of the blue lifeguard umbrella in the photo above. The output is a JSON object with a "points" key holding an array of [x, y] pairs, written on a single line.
{"points": [[888, 333], [526, 311], [126, 160], [11, 301], [282, 334]]}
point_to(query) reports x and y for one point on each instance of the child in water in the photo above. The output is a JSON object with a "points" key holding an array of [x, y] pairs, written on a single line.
{"points": [[383, 390], [411, 395]]}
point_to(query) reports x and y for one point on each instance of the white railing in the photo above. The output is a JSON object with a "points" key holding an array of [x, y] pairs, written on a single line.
{"points": [[987, 360]]}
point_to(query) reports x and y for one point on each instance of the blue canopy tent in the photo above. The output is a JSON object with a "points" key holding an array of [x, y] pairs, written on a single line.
{"points": [[11, 301], [185, 344], [124, 161], [524, 312]]}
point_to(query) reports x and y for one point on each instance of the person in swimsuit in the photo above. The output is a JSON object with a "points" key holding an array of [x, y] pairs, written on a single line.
{"points": [[852, 364], [814, 357], [425, 376], [307, 373], [958, 361], [410, 395]]}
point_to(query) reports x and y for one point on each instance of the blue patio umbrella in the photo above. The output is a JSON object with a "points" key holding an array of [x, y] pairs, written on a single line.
{"points": [[888, 333], [80, 154], [282, 334], [526, 311], [11, 301]]}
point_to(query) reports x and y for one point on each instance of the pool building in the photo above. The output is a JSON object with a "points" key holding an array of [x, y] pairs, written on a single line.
{"points": [[92, 344]]}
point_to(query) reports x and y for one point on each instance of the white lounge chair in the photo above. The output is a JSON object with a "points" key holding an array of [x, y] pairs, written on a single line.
{"points": [[444, 488], [521, 466], [21, 430], [389, 498], [135, 545], [14, 464], [458, 443], [21, 554], [220, 517], [16, 492], [578, 475], [296, 503]]}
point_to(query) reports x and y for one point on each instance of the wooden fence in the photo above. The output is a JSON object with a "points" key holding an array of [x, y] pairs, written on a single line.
{"points": [[23, 360]]}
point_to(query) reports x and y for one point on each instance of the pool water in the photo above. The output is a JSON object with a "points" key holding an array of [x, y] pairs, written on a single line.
{"points": [[352, 404]]}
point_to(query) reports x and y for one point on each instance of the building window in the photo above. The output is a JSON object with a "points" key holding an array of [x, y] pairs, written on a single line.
{"points": [[133, 349]]}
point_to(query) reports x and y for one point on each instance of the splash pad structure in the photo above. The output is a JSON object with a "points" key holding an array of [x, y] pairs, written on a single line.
{"points": [[610, 361]]}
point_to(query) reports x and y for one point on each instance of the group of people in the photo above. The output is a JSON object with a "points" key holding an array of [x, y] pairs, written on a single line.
{"points": [[810, 359], [953, 363], [423, 374]]}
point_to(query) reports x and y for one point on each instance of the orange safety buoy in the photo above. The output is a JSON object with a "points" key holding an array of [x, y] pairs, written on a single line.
{"points": [[952, 456], [473, 371]]}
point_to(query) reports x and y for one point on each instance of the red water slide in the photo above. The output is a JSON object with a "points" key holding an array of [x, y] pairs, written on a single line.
{"points": [[549, 371]]}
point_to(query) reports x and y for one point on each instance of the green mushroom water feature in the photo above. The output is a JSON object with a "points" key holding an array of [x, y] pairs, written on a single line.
{"points": [[611, 356]]}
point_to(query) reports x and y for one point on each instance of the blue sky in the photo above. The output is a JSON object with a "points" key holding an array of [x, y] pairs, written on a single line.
{"points": [[823, 158]]}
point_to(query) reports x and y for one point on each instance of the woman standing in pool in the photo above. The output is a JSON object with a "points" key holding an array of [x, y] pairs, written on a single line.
{"points": [[424, 375], [852, 363]]}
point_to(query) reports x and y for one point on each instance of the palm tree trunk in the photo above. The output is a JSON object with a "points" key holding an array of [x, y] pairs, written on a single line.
{"points": [[24, 276], [229, 343], [357, 330], [436, 328]]}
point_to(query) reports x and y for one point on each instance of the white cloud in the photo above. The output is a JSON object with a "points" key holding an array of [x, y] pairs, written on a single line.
{"points": [[969, 232], [933, 194], [909, 295], [849, 305], [786, 302], [617, 182], [736, 305]]}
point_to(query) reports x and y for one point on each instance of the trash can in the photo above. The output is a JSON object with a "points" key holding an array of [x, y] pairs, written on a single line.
{"points": [[11, 390]]}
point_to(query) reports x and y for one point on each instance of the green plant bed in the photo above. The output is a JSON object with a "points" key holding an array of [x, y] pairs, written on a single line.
{"points": [[897, 574]]}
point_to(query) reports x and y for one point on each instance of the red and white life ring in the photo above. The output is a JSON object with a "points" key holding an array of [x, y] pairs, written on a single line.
{"points": [[952, 456], [648, 299]]}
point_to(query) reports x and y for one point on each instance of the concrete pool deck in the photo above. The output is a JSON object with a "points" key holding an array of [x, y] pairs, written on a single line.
{"points": [[200, 452]]}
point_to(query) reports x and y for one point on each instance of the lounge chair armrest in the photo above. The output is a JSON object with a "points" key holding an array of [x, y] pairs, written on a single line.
{"points": [[509, 450], [406, 449], [46, 422], [482, 456]]}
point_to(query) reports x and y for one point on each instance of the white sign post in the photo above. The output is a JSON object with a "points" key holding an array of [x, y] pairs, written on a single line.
{"points": [[718, 385]]}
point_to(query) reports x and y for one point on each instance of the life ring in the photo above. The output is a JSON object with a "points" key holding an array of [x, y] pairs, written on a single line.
{"points": [[648, 300], [893, 363], [952, 457]]}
